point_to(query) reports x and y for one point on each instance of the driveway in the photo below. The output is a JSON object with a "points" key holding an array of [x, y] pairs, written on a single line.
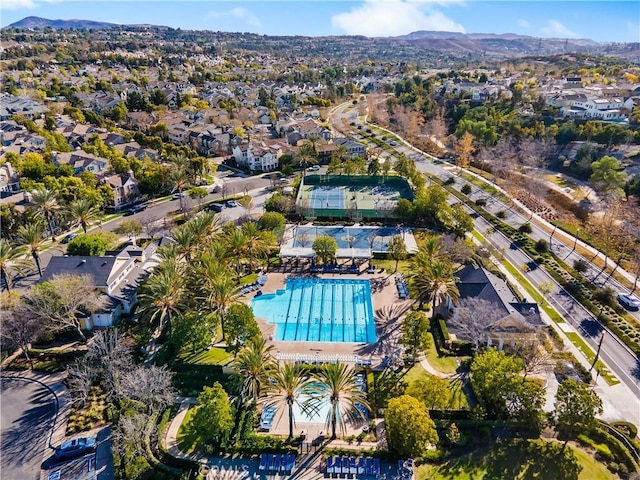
{"points": [[27, 415]]}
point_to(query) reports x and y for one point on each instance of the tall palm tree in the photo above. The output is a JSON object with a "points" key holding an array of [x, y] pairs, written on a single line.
{"points": [[431, 248], [286, 388], [434, 282], [30, 235], [254, 363], [307, 156], [180, 182], [82, 211], [238, 246], [47, 204], [335, 385], [11, 260], [184, 240], [163, 293], [258, 242]]}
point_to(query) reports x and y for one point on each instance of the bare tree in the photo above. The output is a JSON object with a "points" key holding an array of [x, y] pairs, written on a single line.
{"points": [[371, 239], [303, 240], [60, 301], [18, 328], [129, 436], [113, 359], [247, 187], [458, 249], [151, 386], [473, 317], [532, 353], [152, 225], [81, 374]]}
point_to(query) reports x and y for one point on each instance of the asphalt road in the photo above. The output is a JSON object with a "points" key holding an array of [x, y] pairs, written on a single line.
{"points": [[617, 356], [28, 412]]}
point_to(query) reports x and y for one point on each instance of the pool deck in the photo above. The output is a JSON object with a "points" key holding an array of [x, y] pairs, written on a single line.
{"points": [[388, 308]]}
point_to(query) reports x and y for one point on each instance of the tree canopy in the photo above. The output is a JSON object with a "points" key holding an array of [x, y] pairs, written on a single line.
{"points": [[405, 411]]}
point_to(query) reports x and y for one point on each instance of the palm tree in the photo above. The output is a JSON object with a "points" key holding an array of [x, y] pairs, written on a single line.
{"points": [[184, 240], [46, 203], [11, 260], [162, 294], [254, 363], [257, 241], [30, 235], [238, 246], [431, 248], [336, 386], [180, 182], [286, 388], [82, 211], [307, 156], [218, 286], [434, 282]]}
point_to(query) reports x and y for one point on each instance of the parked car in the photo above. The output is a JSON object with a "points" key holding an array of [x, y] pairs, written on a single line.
{"points": [[313, 168], [135, 209], [68, 238], [630, 302], [232, 203], [177, 196], [215, 207], [75, 448]]}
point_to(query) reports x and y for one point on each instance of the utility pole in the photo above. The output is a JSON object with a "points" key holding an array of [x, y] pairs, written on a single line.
{"points": [[595, 359]]}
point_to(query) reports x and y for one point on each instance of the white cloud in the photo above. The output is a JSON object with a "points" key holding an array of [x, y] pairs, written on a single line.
{"points": [[555, 28], [17, 4], [394, 17], [524, 24], [237, 13]]}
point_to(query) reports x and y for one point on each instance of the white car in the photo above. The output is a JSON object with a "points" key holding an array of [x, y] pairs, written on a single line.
{"points": [[630, 302]]}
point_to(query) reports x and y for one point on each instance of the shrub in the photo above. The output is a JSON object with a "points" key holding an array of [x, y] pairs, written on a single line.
{"points": [[542, 246], [90, 244], [501, 214], [606, 296], [580, 266], [466, 189], [481, 202], [444, 330], [628, 428], [525, 228], [450, 181]]}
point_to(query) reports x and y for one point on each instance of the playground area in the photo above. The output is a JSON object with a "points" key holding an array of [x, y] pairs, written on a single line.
{"points": [[351, 196]]}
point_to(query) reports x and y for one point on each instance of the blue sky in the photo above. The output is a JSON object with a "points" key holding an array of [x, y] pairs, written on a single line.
{"points": [[604, 21]]}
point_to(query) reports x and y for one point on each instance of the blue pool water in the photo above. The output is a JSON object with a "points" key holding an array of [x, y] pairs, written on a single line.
{"points": [[320, 310]]}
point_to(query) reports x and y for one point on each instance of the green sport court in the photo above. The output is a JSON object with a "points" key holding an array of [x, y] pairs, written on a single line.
{"points": [[351, 196]]}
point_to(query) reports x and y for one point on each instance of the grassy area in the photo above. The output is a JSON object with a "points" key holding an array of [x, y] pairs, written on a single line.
{"points": [[446, 365], [519, 460], [458, 398], [188, 439], [213, 356], [390, 265]]}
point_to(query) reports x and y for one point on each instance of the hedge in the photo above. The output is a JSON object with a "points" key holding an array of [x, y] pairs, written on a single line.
{"points": [[444, 330]]}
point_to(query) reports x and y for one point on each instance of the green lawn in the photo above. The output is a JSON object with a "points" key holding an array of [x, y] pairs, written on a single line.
{"points": [[519, 460], [458, 399], [213, 356], [187, 439], [442, 364]]}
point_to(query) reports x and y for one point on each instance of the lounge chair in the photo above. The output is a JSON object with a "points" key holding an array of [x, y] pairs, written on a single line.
{"points": [[330, 465], [376, 466], [369, 466], [353, 466], [270, 465], [291, 463], [345, 465], [276, 463], [361, 466], [263, 462], [283, 464]]}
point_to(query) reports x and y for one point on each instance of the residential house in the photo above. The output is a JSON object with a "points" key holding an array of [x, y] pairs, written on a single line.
{"points": [[10, 106], [515, 320], [256, 158], [352, 147], [125, 189], [117, 275], [81, 161], [9, 181]]}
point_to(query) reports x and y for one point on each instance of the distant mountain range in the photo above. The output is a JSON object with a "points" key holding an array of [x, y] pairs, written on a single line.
{"points": [[39, 22], [484, 44]]}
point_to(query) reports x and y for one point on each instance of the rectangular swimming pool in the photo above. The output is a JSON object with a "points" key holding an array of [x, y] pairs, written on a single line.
{"points": [[320, 310]]}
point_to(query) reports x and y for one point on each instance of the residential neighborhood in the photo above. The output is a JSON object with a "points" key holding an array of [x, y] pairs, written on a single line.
{"points": [[405, 257]]}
